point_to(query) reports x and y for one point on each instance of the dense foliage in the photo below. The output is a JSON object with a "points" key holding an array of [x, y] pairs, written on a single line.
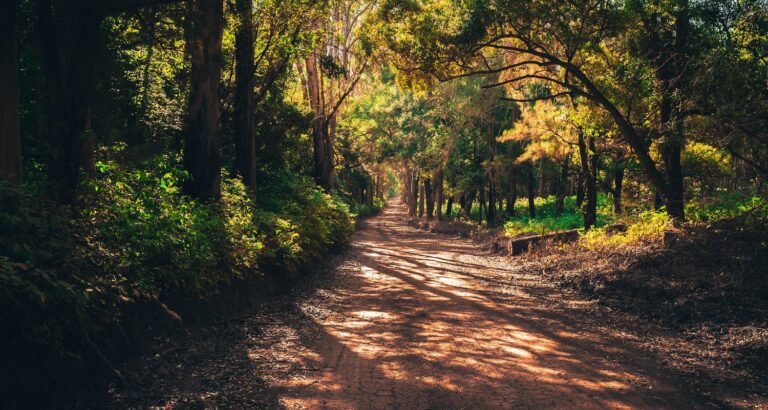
{"points": [[613, 96], [68, 283]]}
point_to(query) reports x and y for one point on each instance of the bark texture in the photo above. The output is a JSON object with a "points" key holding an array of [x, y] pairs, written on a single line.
{"points": [[245, 150], [202, 156]]}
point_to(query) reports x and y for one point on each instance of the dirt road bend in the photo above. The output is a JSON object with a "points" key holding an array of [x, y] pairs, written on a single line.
{"points": [[413, 320]]}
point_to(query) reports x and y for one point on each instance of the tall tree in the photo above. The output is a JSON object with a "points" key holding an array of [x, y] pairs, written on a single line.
{"points": [[10, 138], [202, 156], [586, 146], [70, 43], [333, 70], [664, 42], [321, 138], [574, 48], [245, 150]]}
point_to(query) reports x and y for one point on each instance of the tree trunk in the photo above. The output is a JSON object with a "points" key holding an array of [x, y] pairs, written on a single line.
{"points": [[590, 210], [676, 188], [618, 184], [371, 194], [430, 198], [415, 194], [70, 40], [512, 195], [580, 189], [491, 214], [482, 206], [440, 197], [561, 186], [491, 211], [404, 180], [671, 148], [408, 195], [10, 138], [672, 73], [469, 200], [245, 142], [531, 192], [449, 207], [370, 191], [421, 200], [202, 156], [321, 140], [671, 152], [382, 187]]}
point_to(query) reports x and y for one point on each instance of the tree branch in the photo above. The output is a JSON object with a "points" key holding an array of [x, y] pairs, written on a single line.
{"points": [[349, 90], [534, 99]]}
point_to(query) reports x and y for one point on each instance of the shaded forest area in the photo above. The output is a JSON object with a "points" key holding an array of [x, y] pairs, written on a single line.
{"points": [[160, 156]]}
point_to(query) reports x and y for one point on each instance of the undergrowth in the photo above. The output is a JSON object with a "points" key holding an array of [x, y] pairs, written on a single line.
{"points": [[638, 223], [66, 277], [547, 221], [648, 226]]}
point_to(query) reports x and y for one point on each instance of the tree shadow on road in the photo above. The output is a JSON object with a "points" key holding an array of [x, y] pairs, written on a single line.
{"points": [[405, 331]]}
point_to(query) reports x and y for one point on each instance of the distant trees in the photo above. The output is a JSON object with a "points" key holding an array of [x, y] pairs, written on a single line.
{"points": [[549, 131], [332, 70], [66, 63], [639, 61], [444, 142]]}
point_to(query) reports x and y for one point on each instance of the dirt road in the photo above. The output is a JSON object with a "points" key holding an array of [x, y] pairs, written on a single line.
{"points": [[413, 320]]}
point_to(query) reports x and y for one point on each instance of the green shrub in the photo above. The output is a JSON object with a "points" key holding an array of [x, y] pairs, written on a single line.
{"points": [[546, 221], [725, 205], [363, 210], [305, 227], [164, 240], [160, 239], [648, 226], [66, 279], [544, 225]]}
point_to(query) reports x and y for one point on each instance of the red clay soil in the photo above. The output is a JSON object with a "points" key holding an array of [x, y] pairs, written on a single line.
{"points": [[413, 320]]}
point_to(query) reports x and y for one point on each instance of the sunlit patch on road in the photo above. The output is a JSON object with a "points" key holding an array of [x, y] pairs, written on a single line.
{"points": [[415, 327]]}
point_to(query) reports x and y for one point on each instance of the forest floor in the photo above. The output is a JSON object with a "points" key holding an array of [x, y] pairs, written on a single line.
{"points": [[411, 319]]}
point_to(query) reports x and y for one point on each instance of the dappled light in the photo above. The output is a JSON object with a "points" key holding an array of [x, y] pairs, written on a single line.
{"points": [[414, 328], [417, 204]]}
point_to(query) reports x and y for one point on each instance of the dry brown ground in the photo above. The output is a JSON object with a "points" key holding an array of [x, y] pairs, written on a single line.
{"points": [[414, 320]]}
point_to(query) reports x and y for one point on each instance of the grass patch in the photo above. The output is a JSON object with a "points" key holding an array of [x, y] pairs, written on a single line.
{"points": [[648, 226], [546, 220], [725, 205]]}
